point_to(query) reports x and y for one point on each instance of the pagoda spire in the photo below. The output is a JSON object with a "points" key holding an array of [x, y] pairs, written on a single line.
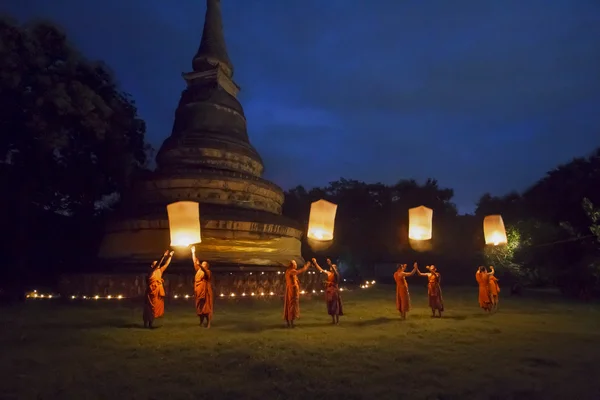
{"points": [[213, 50]]}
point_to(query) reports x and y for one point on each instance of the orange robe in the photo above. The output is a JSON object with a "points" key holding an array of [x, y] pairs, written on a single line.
{"points": [[402, 296], [154, 301], [291, 302], [485, 301], [434, 291], [204, 293], [332, 295], [494, 287]]}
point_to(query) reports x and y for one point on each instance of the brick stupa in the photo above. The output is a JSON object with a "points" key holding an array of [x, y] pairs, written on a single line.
{"points": [[207, 158]]}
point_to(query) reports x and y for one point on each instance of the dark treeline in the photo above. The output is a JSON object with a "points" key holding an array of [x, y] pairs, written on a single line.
{"points": [[553, 228], [72, 141]]}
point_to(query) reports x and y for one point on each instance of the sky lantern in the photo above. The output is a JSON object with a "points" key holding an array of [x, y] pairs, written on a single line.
{"points": [[184, 223], [420, 223], [493, 230], [321, 221]]}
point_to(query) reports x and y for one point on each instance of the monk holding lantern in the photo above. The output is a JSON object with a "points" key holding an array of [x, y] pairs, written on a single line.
{"points": [[332, 291], [154, 300], [483, 280], [494, 290], [203, 291], [434, 289], [291, 301], [402, 295]]}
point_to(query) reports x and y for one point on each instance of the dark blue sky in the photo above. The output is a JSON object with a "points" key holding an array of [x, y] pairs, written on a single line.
{"points": [[485, 96]]}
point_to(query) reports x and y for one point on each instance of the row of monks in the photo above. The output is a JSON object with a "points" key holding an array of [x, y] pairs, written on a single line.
{"points": [[154, 304]]}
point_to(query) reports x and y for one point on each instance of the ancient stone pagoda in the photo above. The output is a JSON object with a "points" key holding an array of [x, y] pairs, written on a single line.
{"points": [[208, 159]]}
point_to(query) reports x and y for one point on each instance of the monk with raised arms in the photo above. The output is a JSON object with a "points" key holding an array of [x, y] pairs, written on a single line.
{"points": [[402, 295], [483, 280], [332, 291], [434, 289], [291, 301], [203, 291], [494, 290], [154, 300]]}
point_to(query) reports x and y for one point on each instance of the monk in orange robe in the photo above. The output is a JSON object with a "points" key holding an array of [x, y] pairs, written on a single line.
{"points": [[203, 291], [291, 301], [434, 289], [402, 296], [154, 300], [494, 290], [483, 279], [332, 291]]}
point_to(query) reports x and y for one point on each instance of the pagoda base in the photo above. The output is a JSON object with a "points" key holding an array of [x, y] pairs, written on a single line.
{"points": [[229, 235]]}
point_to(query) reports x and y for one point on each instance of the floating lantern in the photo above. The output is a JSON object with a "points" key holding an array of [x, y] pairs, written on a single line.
{"points": [[493, 230], [420, 223], [322, 220], [184, 223]]}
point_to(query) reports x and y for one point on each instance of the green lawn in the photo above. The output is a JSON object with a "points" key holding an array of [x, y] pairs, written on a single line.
{"points": [[537, 346]]}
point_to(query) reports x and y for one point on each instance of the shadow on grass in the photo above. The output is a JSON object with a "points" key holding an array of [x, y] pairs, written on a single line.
{"points": [[373, 322], [100, 324], [253, 327], [244, 326], [131, 325], [453, 317]]}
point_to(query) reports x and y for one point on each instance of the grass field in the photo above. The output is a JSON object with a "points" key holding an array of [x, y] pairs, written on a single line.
{"points": [[536, 346]]}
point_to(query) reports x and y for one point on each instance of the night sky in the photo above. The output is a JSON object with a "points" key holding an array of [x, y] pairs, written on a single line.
{"points": [[484, 96]]}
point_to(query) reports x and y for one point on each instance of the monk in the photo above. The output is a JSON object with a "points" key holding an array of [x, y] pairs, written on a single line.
{"points": [[434, 290], [483, 279], [291, 302], [494, 290], [154, 301], [402, 296], [332, 291], [203, 291]]}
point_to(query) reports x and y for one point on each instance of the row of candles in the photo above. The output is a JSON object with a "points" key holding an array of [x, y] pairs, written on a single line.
{"points": [[35, 295]]}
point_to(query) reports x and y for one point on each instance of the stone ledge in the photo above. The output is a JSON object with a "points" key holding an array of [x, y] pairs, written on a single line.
{"points": [[202, 172], [224, 247], [233, 190], [206, 225], [210, 215]]}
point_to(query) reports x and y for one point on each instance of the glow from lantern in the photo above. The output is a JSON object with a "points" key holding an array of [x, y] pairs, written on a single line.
{"points": [[493, 230], [184, 223], [322, 220], [319, 234], [420, 223], [418, 233]]}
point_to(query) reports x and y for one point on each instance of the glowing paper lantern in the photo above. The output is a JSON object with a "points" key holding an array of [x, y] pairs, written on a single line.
{"points": [[420, 223], [184, 223], [321, 221], [493, 230]]}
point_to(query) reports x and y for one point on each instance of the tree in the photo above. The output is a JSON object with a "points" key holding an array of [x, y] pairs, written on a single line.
{"points": [[504, 258], [69, 138], [594, 215]]}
